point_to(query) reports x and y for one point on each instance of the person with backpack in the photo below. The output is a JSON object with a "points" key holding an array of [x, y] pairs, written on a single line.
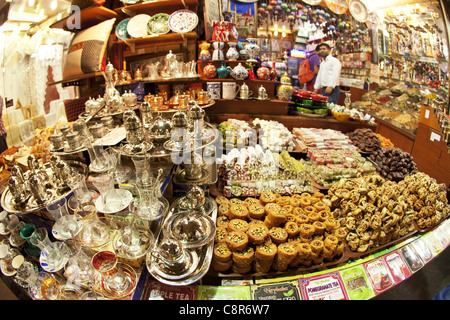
{"points": [[328, 78], [308, 70]]}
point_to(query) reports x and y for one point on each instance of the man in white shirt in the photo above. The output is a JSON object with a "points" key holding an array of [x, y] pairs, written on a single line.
{"points": [[329, 74]]}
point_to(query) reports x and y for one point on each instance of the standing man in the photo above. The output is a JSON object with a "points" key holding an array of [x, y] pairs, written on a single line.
{"points": [[329, 73], [314, 62]]}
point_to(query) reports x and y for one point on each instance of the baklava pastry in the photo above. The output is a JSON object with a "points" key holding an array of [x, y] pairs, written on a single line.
{"points": [[267, 197], [318, 226], [221, 234], [257, 233], [256, 211], [222, 221], [224, 209], [316, 246], [221, 252], [244, 257], [221, 200], [237, 225], [292, 228], [221, 266], [238, 211], [278, 235], [236, 240], [307, 230], [265, 252]]}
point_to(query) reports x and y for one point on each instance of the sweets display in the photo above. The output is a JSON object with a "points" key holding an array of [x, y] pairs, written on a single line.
{"points": [[274, 135], [235, 133], [331, 166], [375, 211], [250, 171], [393, 164], [427, 199], [293, 231], [324, 139]]}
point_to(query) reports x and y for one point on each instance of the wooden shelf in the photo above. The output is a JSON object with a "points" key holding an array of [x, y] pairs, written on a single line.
{"points": [[157, 6], [88, 17], [291, 121], [160, 38], [218, 61], [78, 78], [245, 80]]}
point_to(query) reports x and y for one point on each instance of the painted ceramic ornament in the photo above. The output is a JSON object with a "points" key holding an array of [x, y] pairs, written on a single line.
{"points": [[252, 50], [273, 74], [263, 73], [232, 53], [210, 71], [204, 53], [239, 72], [285, 90], [251, 73], [218, 51], [223, 71]]}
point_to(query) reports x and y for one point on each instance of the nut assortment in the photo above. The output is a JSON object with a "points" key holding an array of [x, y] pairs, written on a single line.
{"points": [[292, 232]]}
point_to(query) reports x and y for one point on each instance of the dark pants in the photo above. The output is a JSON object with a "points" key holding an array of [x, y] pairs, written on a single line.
{"points": [[3, 144], [334, 96]]}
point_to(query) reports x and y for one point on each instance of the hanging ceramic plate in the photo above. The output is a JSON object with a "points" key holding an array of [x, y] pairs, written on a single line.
{"points": [[158, 24], [137, 26], [121, 30], [312, 2], [128, 2], [358, 10], [373, 18], [337, 6], [182, 21]]}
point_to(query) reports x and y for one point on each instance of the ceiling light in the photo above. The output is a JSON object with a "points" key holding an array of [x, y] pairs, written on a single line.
{"points": [[54, 5]]}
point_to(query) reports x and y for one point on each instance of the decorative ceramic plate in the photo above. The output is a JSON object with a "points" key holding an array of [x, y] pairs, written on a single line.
{"points": [[183, 21], [312, 2], [137, 26], [358, 10], [121, 30], [128, 2], [158, 24], [337, 6], [373, 18]]}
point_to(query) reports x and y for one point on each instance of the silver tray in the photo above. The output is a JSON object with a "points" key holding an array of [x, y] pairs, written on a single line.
{"points": [[7, 201], [204, 253], [209, 176], [169, 145]]}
